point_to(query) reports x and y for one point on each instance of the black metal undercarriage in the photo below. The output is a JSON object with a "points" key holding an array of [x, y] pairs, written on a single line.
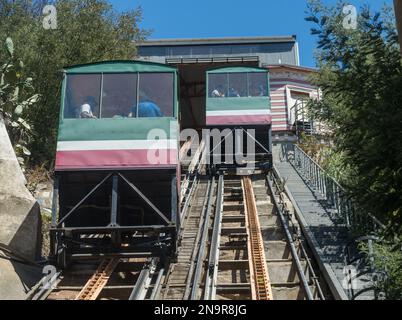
{"points": [[114, 213], [238, 141]]}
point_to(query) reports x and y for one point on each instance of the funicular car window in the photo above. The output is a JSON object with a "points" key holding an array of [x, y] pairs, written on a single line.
{"points": [[258, 84], [119, 95], [82, 96], [237, 85], [218, 85], [155, 95]]}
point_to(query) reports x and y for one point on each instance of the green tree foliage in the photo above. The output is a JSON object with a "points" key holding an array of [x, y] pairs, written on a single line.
{"points": [[87, 31], [387, 260], [361, 81], [16, 97], [325, 154]]}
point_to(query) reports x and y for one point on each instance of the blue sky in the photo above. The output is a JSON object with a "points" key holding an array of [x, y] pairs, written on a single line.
{"points": [[231, 18]]}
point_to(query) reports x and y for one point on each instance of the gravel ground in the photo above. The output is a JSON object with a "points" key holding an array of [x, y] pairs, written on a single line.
{"points": [[46, 222]]}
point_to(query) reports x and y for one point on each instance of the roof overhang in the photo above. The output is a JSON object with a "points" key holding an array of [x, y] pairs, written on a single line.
{"points": [[291, 67], [212, 60], [216, 41]]}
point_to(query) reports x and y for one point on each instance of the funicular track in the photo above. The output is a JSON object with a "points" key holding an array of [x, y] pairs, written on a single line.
{"points": [[98, 280], [261, 286], [114, 278], [180, 273], [239, 241]]}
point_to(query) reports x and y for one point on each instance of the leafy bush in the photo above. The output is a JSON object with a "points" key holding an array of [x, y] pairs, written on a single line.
{"points": [[387, 260], [16, 97], [360, 75], [87, 31]]}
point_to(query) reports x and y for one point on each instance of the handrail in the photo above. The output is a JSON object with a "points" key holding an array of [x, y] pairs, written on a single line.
{"points": [[335, 195], [316, 164], [368, 270], [300, 112]]}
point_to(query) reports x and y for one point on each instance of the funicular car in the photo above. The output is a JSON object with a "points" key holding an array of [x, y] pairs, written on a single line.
{"points": [[117, 168], [238, 100]]}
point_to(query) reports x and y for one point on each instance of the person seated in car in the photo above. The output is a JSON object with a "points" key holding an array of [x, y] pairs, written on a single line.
{"points": [[233, 93], [218, 92], [146, 108], [85, 110]]}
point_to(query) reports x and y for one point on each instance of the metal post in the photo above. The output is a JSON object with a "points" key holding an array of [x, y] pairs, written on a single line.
{"points": [[175, 218], [55, 201], [113, 211], [270, 138]]}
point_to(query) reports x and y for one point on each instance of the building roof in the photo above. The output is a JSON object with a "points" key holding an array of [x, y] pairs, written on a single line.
{"points": [[211, 41], [288, 66], [113, 66]]}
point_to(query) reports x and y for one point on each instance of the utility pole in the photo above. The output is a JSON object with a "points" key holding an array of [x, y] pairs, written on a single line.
{"points": [[398, 15]]}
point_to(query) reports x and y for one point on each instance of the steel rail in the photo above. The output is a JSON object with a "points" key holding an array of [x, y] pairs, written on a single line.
{"points": [[197, 241], [311, 270], [304, 254], [213, 263], [279, 209], [157, 285], [186, 205], [259, 277], [202, 242], [44, 287], [193, 169], [144, 280]]}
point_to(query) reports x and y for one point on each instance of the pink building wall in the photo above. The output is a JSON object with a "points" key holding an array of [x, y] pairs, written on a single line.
{"points": [[286, 80]]}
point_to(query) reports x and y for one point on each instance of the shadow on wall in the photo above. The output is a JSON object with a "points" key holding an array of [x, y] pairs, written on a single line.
{"points": [[27, 240], [283, 151], [18, 271]]}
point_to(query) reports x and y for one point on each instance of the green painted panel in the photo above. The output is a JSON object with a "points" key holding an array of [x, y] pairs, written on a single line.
{"points": [[120, 66], [242, 103], [115, 129], [237, 70]]}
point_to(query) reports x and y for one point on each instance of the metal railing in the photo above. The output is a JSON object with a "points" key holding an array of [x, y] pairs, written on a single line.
{"points": [[331, 192], [302, 121], [360, 265]]}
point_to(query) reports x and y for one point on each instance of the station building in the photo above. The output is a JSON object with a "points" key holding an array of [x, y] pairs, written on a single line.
{"points": [[290, 83]]}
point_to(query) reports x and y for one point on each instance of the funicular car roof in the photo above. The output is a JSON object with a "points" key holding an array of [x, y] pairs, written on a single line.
{"points": [[119, 66], [237, 70]]}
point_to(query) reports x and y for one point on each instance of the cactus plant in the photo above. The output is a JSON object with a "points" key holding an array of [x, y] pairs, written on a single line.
{"points": [[16, 95]]}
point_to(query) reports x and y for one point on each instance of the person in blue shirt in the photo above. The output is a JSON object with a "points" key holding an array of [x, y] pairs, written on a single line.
{"points": [[146, 108], [233, 93]]}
